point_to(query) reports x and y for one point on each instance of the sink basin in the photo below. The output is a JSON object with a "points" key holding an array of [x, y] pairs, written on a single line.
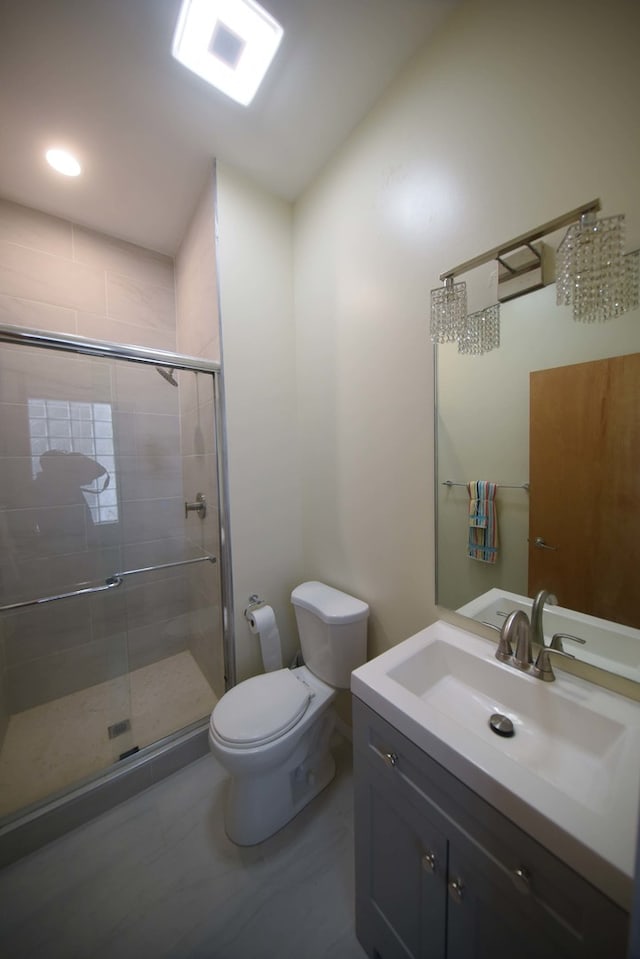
{"points": [[562, 740], [570, 774]]}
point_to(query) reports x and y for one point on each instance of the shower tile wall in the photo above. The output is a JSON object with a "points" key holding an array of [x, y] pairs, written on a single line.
{"points": [[60, 277], [55, 275], [4, 701], [198, 335], [199, 464], [196, 281]]}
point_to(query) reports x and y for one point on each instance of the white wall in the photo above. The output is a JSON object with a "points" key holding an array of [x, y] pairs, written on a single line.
{"points": [[258, 350], [513, 115]]}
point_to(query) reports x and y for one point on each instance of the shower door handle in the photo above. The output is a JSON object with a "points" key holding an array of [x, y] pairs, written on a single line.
{"points": [[112, 583]]}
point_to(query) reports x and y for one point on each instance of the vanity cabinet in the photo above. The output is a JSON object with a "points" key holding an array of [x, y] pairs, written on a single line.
{"points": [[441, 873]]}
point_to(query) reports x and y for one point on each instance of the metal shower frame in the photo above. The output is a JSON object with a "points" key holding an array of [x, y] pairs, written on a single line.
{"points": [[72, 343]]}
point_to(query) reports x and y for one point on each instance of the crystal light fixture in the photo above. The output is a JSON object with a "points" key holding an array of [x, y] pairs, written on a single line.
{"points": [[631, 286], [481, 332], [448, 311], [593, 276], [591, 269]]}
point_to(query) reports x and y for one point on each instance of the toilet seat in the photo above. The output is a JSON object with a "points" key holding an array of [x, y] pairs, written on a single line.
{"points": [[260, 709]]}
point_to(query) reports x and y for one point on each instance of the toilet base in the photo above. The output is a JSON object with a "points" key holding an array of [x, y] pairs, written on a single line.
{"points": [[259, 806]]}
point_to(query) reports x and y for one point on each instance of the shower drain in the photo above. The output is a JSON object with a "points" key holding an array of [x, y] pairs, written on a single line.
{"points": [[117, 729]]}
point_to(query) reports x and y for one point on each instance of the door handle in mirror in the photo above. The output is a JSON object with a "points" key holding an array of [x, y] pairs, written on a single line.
{"points": [[539, 543]]}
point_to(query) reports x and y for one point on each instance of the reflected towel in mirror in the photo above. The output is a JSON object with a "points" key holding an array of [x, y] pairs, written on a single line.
{"points": [[483, 521]]}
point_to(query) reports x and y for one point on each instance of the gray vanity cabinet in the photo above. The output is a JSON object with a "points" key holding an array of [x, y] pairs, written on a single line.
{"points": [[440, 874], [401, 877]]}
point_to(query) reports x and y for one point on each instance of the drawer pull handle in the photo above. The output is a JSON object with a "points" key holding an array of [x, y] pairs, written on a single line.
{"points": [[429, 862], [391, 759], [521, 880], [455, 889]]}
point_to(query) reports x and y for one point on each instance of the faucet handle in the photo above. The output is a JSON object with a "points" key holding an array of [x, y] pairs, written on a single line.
{"points": [[542, 669], [556, 641]]}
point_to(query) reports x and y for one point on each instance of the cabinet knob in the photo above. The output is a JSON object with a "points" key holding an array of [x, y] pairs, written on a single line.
{"points": [[456, 889], [521, 879], [391, 759], [429, 862]]}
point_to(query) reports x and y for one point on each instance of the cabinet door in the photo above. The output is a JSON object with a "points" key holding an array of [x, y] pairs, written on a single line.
{"points": [[489, 918], [400, 876]]}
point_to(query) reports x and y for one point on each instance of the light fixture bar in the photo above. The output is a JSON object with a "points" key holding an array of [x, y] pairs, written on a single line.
{"points": [[524, 239]]}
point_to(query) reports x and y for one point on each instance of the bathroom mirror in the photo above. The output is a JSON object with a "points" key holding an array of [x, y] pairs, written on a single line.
{"points": [[486, 411]]}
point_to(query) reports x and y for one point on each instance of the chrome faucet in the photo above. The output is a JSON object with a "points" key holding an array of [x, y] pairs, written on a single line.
{"points": [[518, 632], [542, 597]]}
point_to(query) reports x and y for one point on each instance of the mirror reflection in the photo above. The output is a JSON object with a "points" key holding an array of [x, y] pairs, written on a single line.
{"points": [[550, 422]]}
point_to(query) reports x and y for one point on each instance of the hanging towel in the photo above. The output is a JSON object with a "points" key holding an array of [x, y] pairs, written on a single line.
{"points": [[483, 522]]}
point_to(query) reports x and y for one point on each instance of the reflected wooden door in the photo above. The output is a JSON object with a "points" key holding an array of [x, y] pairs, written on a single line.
{"points": [[584, 447]]}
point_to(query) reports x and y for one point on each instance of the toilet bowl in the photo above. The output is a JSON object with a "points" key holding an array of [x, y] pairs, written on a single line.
{"points": [[272, 732]]}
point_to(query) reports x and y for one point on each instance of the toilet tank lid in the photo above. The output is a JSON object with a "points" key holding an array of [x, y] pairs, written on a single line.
{"points": [[331, 605]]}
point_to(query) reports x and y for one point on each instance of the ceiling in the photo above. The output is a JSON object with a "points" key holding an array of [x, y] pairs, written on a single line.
{"points": [[98, 76]]}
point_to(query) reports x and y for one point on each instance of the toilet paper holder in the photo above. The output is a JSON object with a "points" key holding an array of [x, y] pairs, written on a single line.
{"points": [[254, 603]]}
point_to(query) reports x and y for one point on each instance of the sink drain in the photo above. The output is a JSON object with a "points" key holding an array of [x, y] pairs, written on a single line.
{"points": [[501, 725]]}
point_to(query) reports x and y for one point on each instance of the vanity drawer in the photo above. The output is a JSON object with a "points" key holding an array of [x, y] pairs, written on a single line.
{"points": [[499, 852]]}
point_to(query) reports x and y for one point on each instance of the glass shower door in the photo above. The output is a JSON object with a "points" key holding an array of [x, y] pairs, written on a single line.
{"points": [[64, 685], [108, 497], [111, 625], [165, 454]]}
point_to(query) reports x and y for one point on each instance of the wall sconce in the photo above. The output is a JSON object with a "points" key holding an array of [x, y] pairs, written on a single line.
{"points": [[593, 276], [481, 332], [448, 311]]}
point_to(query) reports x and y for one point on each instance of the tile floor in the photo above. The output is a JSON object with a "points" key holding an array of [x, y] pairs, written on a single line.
{"points": [[156, 877], [50, 747]]}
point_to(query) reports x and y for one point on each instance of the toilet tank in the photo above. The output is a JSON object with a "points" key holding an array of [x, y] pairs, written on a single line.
{"points": [[333, 631]]}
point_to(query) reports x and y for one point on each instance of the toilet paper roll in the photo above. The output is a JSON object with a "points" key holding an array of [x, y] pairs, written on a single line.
{"points": [[262, 623]]}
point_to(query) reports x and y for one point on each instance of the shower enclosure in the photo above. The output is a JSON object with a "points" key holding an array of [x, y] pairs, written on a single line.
{"points": [[113, 586]]}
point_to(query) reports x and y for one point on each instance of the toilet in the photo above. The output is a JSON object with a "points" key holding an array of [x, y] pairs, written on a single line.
{"points": [[272, 732]]}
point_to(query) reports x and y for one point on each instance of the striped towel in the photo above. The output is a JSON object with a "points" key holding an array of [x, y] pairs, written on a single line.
{"points": [[483, 521]]}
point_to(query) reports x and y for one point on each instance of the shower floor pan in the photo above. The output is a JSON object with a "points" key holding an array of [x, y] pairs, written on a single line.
{"points": [[51, 747]]}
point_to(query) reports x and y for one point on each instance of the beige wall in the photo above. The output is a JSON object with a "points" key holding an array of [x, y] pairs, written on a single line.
{"points": [[258, 345], [513, 115]]}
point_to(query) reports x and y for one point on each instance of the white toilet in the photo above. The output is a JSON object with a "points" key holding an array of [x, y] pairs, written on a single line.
{"points": [[271, 732]]}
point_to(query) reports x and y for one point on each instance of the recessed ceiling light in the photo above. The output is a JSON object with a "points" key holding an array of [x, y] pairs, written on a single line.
{"points": [[63, 162], [229, 43]]}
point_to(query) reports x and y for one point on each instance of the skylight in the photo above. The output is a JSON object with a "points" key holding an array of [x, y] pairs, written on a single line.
{"points": [[229, 43]]}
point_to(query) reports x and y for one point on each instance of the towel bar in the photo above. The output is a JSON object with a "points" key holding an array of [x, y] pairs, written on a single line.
{"points": [[524, 486]]}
